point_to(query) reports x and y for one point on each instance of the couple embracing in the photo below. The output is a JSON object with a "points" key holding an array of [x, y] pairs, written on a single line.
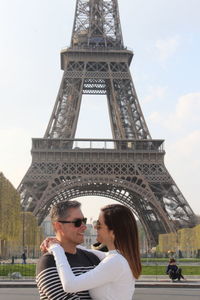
{"points": [[69, 271]]}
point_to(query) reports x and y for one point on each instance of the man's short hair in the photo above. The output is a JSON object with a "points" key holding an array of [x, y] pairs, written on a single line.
{"points": [[61, 210]]}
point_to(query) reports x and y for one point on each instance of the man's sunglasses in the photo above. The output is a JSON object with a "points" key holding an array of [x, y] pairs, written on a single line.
{"points": [[77, 222]]}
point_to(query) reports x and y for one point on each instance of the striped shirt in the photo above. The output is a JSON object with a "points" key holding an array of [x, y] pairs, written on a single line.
{"points": [[48, 281]]}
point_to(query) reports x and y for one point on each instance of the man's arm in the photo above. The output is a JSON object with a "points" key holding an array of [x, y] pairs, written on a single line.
{"points": [[48, 281], [167, 269]]}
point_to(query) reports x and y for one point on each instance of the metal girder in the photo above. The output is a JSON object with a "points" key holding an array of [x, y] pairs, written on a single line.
{"points": [[129, 171], [130, 167], [105, 77], [97, 24]]}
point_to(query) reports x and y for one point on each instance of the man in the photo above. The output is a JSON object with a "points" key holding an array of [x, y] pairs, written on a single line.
{"points": [[23, 258], [69, 225], [173, 271]]}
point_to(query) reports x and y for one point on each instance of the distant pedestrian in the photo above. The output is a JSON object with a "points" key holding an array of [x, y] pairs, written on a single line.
{"points": [[173, 271], [23, 258]]}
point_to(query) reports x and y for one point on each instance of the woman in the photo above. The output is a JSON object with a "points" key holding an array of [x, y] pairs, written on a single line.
{"points": [[114, 277], [173, 271]]}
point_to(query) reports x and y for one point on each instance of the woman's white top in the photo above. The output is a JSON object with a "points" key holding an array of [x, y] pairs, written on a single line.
{"points": [[112, 279]]}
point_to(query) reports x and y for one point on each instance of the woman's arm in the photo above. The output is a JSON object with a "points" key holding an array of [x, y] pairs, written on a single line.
{"points": [[100, 254], [108, 270]]}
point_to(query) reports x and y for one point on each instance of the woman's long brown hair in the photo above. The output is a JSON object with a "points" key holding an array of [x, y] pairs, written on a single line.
{"points": [[121, 220]]}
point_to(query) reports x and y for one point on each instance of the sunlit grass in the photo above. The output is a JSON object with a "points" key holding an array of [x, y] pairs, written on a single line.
{"points": [[161, 270], [27, 270]]}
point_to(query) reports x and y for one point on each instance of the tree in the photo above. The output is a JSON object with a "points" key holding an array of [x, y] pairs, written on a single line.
{"points": [[10, 210], [17, 228]]}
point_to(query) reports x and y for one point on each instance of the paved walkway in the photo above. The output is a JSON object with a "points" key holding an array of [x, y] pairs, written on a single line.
{"points": [[150, 281], [144, 282]]}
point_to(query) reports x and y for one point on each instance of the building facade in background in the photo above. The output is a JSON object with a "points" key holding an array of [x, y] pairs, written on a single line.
{"points": [[185, 243]]}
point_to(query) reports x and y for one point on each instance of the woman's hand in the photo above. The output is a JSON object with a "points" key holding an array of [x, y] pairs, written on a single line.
{"points": [[44, 247]]}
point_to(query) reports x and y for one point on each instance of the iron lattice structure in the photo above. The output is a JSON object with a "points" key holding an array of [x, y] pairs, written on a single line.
{"points": [[130, 168]]}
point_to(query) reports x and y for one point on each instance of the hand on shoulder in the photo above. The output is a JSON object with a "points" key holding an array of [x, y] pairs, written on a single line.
{"points": [[49, 241]]}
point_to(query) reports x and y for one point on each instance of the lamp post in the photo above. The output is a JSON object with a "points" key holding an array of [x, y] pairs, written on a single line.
{"points": [[23, 230]]}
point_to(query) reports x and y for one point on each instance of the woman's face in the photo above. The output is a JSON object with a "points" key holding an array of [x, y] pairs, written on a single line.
{"points": [[104, 235]]}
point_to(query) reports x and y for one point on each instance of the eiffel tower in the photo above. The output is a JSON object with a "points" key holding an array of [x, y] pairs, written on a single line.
{"points": [[128, 168]]}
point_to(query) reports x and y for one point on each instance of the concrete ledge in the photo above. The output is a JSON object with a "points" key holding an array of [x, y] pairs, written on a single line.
{"points": [[160, 284], [17, 284], [139, 284]]}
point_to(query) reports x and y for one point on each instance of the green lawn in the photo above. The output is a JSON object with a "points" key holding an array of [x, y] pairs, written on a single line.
{"points": [[25, 270], [28, 270], [160, 270], [165, 260]]}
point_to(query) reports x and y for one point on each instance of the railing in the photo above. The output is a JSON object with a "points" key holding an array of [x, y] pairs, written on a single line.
{"points": [[100, 144], [97, 48], [150, 266]]}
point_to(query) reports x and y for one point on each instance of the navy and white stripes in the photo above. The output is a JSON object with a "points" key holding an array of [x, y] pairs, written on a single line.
{"points": [[48, 281]]}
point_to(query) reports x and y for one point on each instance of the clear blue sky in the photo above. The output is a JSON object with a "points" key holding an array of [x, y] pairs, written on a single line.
{"points": [[165, 38]]}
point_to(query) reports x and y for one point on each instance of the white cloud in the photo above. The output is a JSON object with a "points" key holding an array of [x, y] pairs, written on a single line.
{"points": [[187, 112], [183, 145], [155, 93], [183, 161], [166, 48], [188, 148], [155, 117]]}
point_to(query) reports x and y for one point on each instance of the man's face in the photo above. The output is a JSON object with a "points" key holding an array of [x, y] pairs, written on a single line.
{"points": [[68, 232]]}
